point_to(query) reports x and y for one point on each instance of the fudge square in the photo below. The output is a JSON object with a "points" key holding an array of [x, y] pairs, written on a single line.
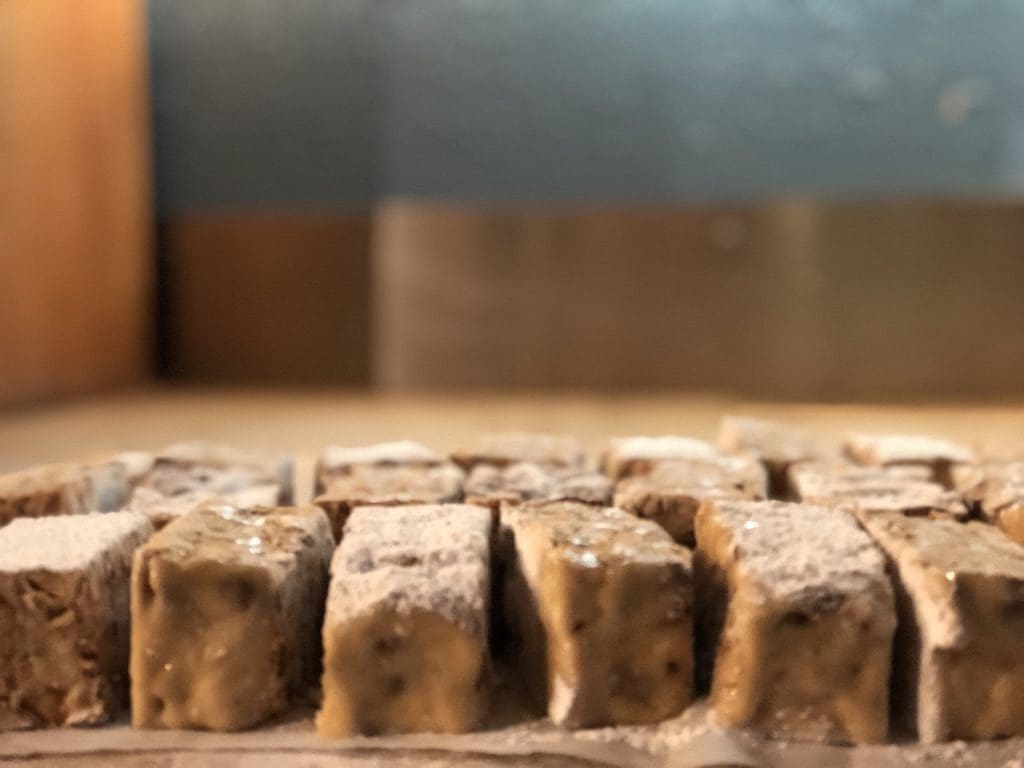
{"points": [[64, 617], [337, 460], [796, 616], [671, 494], [959, 658], [935, 453], [600, 608], [903, 489], [503, 448], [226, 608], [62, 489], [388, 486], [492, 486], [628, 456], [405, 636], [777, 446]]}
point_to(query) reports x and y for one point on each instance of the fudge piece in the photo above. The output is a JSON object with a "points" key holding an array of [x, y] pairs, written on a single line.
{"points": [[959, 664], [505, 448], [777, 446], [600, 611], [337, 461], [405, 636], [388, 486], [185, 467], [226, 608], [996, 492], [137, 465], [935, 453], [162, 508], [796, 615], [900, 489], [627, 456], [491, 486], [671, 494], [62, 489], [64, 617]]}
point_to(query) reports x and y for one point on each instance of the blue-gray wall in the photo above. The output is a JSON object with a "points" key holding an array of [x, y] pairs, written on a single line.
{"points": [[264, 102]]}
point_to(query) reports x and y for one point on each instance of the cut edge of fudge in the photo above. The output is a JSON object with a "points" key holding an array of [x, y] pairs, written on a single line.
{"points": [[410, 588], [611, 598], [777, 583], [64, 601], [338, 460], [960, 591], [491, 486], [226, 609]]}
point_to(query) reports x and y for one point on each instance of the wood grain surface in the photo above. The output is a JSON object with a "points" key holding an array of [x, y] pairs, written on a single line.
{"points": [[75, 197]]}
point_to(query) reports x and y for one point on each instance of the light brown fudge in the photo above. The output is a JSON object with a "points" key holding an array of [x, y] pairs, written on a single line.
{"points": [[996, 491], [937, 454], [628, 456], [796, 619], [197, 466], [600, 613], [226, 608], [64, 617], [777, 446], [491, 486], [959, 659], [671, 494], [62, 489], [504, 448], [337, 461], [388, 486], [902, 489], [405, 635]]}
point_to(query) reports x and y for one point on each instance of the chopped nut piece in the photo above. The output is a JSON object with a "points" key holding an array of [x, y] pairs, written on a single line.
{"points": [[492, 486], [937, 454], [226, 607], [405, 636], [795, 608], [600, 606], [388, 486], [777, 446], [337, 461], [62, 489], [64, 617], [628, 456], [959, 658], [506, 448], [671, 494]]}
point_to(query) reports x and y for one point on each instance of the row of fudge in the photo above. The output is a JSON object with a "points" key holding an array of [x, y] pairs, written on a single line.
{"points": [[785, 610]]}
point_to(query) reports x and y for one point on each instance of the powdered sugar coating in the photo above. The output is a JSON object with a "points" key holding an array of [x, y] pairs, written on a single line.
{"points": [[794, 552], [430, 557], [69, 542]]}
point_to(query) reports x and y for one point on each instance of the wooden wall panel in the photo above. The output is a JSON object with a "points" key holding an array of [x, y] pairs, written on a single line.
{"points": [[794, 299], [75, 197], [268, 297]]}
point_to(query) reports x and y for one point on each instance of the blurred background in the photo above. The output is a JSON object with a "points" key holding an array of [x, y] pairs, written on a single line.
{"points": [[811, 199]]}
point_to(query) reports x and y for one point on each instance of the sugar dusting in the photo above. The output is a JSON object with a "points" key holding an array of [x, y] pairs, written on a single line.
{"points": [[430, 557]]}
